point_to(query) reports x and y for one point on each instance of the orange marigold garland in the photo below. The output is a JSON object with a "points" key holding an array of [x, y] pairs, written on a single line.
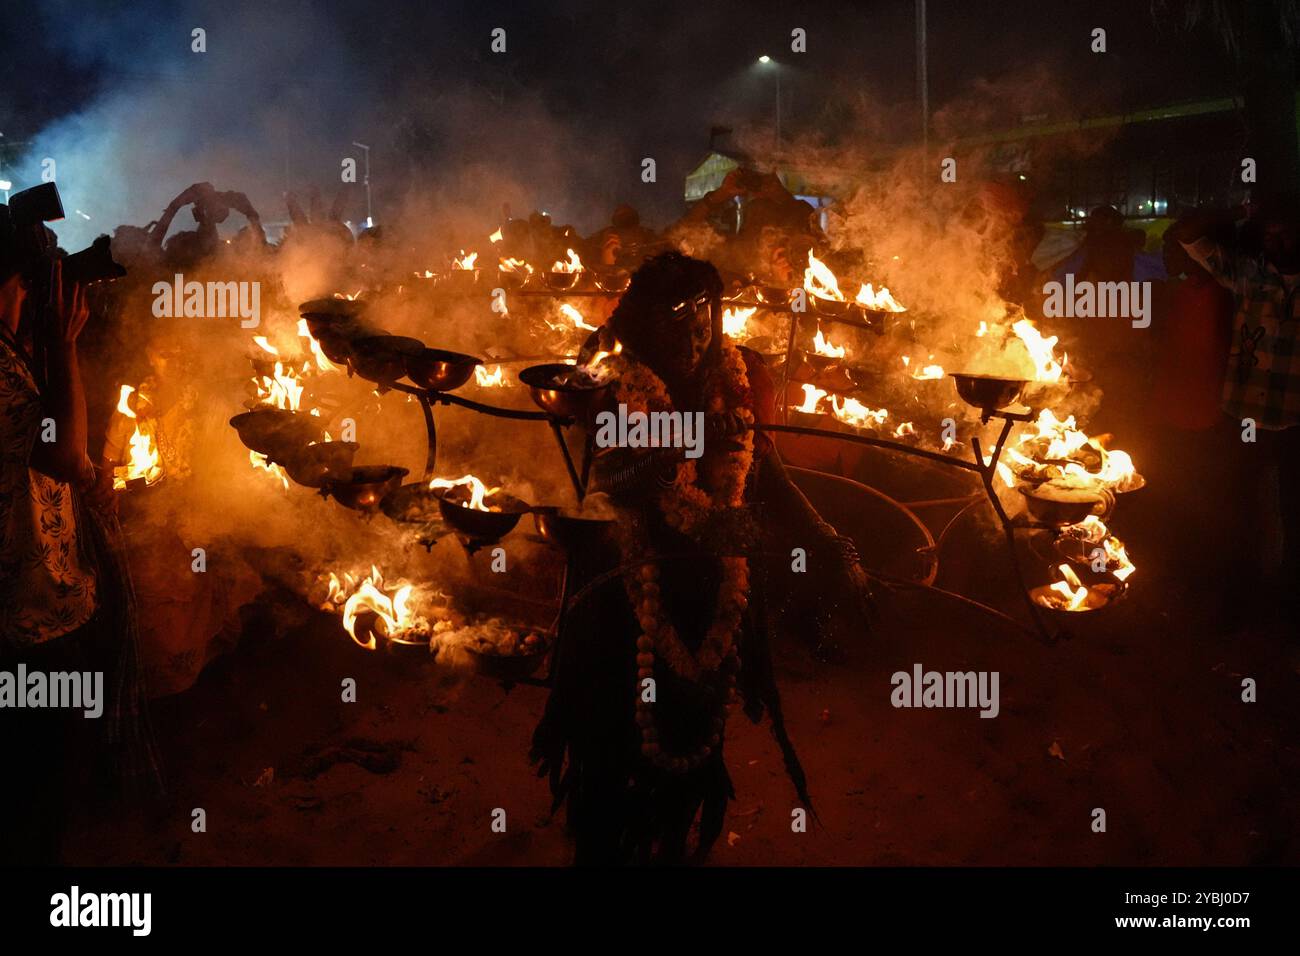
{"points": [[687, 505]]}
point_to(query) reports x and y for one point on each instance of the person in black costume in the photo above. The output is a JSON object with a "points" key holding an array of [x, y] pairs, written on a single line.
{"points": [[697, 547]]}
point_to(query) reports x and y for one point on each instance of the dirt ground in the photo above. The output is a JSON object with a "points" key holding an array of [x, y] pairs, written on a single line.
{"points": [[1140, 714]]}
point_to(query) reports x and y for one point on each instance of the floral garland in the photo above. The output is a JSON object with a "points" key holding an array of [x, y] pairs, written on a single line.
{"points": [[687, 504]]}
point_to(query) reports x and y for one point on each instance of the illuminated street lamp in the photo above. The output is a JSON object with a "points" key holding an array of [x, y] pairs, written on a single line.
{"points": [[766, 60]]}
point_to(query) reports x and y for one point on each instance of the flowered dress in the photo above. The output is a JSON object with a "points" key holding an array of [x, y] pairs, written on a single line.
{"points": [[46, 588]]}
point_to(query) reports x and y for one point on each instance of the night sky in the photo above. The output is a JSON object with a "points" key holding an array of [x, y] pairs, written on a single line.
{"points": [[584, 92]]}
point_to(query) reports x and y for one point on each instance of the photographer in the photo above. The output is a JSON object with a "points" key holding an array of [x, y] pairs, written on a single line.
{"points": [[47, 589], [65, 595]]}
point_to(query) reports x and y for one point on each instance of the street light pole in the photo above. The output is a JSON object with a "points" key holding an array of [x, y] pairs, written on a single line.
{"points": [[370, 219], [923, 77]]}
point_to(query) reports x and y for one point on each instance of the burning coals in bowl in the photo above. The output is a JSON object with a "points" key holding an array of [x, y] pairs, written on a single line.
{"points": [[401, 615], [373, 610]]}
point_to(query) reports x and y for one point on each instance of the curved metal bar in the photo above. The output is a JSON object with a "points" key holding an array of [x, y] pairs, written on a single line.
{"points": [[969, 602], [929, 548], [446, 398], [432, 430], [874, 442]]}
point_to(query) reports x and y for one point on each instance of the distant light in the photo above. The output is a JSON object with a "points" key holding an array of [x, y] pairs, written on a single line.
{"points": [[764, 59], [369, 222], [5, 185], [82, 214], [1021, 177]]}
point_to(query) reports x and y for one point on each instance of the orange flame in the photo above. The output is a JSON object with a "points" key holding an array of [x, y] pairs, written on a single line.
{"points": [[393, 613], [574, 264], [881, 301], [477, 490], [735, 320], [823, 346], [820, 281], [261, 462]]}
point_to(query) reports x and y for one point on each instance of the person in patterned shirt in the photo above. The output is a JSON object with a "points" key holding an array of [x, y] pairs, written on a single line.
{"points": [[1262, 381], [47, 585]]}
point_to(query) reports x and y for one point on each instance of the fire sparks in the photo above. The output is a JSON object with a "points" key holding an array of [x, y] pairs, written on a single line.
{"points": [[371, 610], [478, 492]]}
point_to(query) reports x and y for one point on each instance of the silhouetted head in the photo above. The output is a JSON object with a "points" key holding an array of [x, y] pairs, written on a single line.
{"points": [[670, 317]]}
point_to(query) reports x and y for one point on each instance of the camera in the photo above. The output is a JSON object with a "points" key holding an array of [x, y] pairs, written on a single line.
{"points": [[22, 230]]}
